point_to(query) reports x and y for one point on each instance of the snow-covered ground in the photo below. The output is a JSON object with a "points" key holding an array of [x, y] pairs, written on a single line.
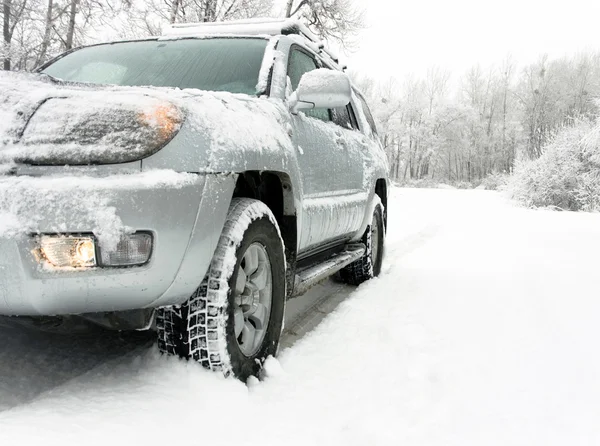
{"points": [[481, 330]]}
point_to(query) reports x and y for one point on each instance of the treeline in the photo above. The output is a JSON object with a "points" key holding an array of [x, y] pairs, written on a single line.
{"points": [[35, 30], [463, 130]]}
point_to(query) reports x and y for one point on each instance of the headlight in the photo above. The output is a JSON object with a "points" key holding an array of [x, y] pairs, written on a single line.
{"points": [[81, 251], [90, 129], [74, 252]]}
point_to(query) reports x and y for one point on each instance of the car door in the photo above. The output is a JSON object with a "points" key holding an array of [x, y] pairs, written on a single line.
{"points": [[353, 143], [330, 168]]}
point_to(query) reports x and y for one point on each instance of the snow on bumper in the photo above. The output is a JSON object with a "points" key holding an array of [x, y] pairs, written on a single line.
{"points": [[165, 203]]}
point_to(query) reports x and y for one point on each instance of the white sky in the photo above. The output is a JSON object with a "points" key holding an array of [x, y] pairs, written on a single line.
{"points": [[409, 36]]}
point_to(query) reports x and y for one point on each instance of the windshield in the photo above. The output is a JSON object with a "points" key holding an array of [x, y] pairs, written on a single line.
{"points": [[220, 64]]}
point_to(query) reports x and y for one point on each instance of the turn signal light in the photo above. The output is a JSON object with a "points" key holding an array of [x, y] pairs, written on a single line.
{"points": [[133, 249]]}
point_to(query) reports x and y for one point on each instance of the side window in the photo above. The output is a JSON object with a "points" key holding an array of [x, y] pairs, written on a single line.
{"points": [[301, 63], [368, 114], [344, 117]]}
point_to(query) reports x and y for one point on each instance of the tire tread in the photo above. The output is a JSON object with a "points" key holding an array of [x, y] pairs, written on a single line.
{"points": [[197, 328]]}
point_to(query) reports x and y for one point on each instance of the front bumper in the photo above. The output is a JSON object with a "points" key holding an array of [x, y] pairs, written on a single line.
{"points": [[184, 217]]}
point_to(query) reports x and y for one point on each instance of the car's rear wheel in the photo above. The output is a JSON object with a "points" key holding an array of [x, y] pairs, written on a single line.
{"points": [[233, 321], [369, 265]]}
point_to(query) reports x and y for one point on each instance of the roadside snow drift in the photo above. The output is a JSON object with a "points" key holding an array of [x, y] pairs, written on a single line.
{"points": [[481, 330]]}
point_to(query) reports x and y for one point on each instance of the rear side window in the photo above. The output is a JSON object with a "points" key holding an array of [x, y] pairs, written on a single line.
{"points": [[368, 114], [298, 64]]}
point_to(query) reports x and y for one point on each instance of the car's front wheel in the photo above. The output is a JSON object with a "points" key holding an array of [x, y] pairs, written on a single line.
{"points": [[233, 321]]}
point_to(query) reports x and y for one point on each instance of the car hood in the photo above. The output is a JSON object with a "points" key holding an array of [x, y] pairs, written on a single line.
{"points": [[213, 124]]}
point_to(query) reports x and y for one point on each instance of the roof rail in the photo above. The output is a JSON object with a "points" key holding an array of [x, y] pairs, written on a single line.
{"points": [[250, 27]]}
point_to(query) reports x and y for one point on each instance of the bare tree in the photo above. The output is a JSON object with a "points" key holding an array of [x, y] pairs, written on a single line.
{"points": [[212, 10], [507, 150], [12, 12], [47, 33], [174, 11], [71, 27], [340, 20], [436, 84], [6, 8]]}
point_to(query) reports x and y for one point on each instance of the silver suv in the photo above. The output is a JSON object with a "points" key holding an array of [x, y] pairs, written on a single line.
{"points": [[190, 184]]}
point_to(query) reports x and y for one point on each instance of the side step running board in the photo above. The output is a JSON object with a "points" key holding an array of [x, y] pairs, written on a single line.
{"points": [[312, 275]]}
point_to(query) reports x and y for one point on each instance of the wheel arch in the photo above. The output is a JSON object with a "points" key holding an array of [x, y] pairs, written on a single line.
{"points": [[275, 189], [382, 192]]}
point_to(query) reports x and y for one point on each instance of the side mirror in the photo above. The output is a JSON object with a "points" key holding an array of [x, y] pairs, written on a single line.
{"points": [[321, 88]]}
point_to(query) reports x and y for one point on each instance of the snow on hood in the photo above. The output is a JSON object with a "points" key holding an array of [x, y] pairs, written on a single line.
{"points": [[43, 119]]}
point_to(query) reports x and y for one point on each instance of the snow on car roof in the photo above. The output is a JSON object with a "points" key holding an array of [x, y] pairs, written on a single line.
{"points": [[242, 27], [249, 27]]}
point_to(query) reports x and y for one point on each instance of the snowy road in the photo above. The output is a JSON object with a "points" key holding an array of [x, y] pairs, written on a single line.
{"points": [[481, 330]]}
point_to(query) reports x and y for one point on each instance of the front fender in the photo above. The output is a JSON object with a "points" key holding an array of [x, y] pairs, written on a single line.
{"points": [[210, 219], [229, 133]]}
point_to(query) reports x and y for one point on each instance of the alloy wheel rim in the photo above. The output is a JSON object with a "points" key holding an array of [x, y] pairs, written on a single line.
{"points": [[252, 299]]}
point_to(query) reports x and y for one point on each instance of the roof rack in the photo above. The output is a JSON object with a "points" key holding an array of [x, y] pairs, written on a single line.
{"points": [[251, 27]]}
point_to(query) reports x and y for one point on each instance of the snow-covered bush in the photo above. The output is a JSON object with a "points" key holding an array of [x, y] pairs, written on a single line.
{"points": [[495, 181], [463, 185], [423, 183], [566, 176], [428, 183]]}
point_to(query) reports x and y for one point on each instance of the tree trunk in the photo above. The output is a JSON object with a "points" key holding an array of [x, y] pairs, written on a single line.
{"points": [[210, 11], [288, 8], [174, 11], [6, 33], [71, 28], [398, 160], [47, 32]]}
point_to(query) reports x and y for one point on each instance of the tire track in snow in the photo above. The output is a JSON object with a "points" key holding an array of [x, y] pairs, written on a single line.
{"points": [[332, 295], [407, 245]]}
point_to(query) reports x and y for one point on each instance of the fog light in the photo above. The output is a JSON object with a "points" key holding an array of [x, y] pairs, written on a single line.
{"points": [[66, 251], [132, 249]]}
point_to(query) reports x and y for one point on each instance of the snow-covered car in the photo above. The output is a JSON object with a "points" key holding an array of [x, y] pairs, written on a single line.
{"points": [[190, 184]]}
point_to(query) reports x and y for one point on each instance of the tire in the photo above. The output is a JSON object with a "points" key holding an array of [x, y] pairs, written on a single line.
{"points": [[214, 326], [369, 265]]}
